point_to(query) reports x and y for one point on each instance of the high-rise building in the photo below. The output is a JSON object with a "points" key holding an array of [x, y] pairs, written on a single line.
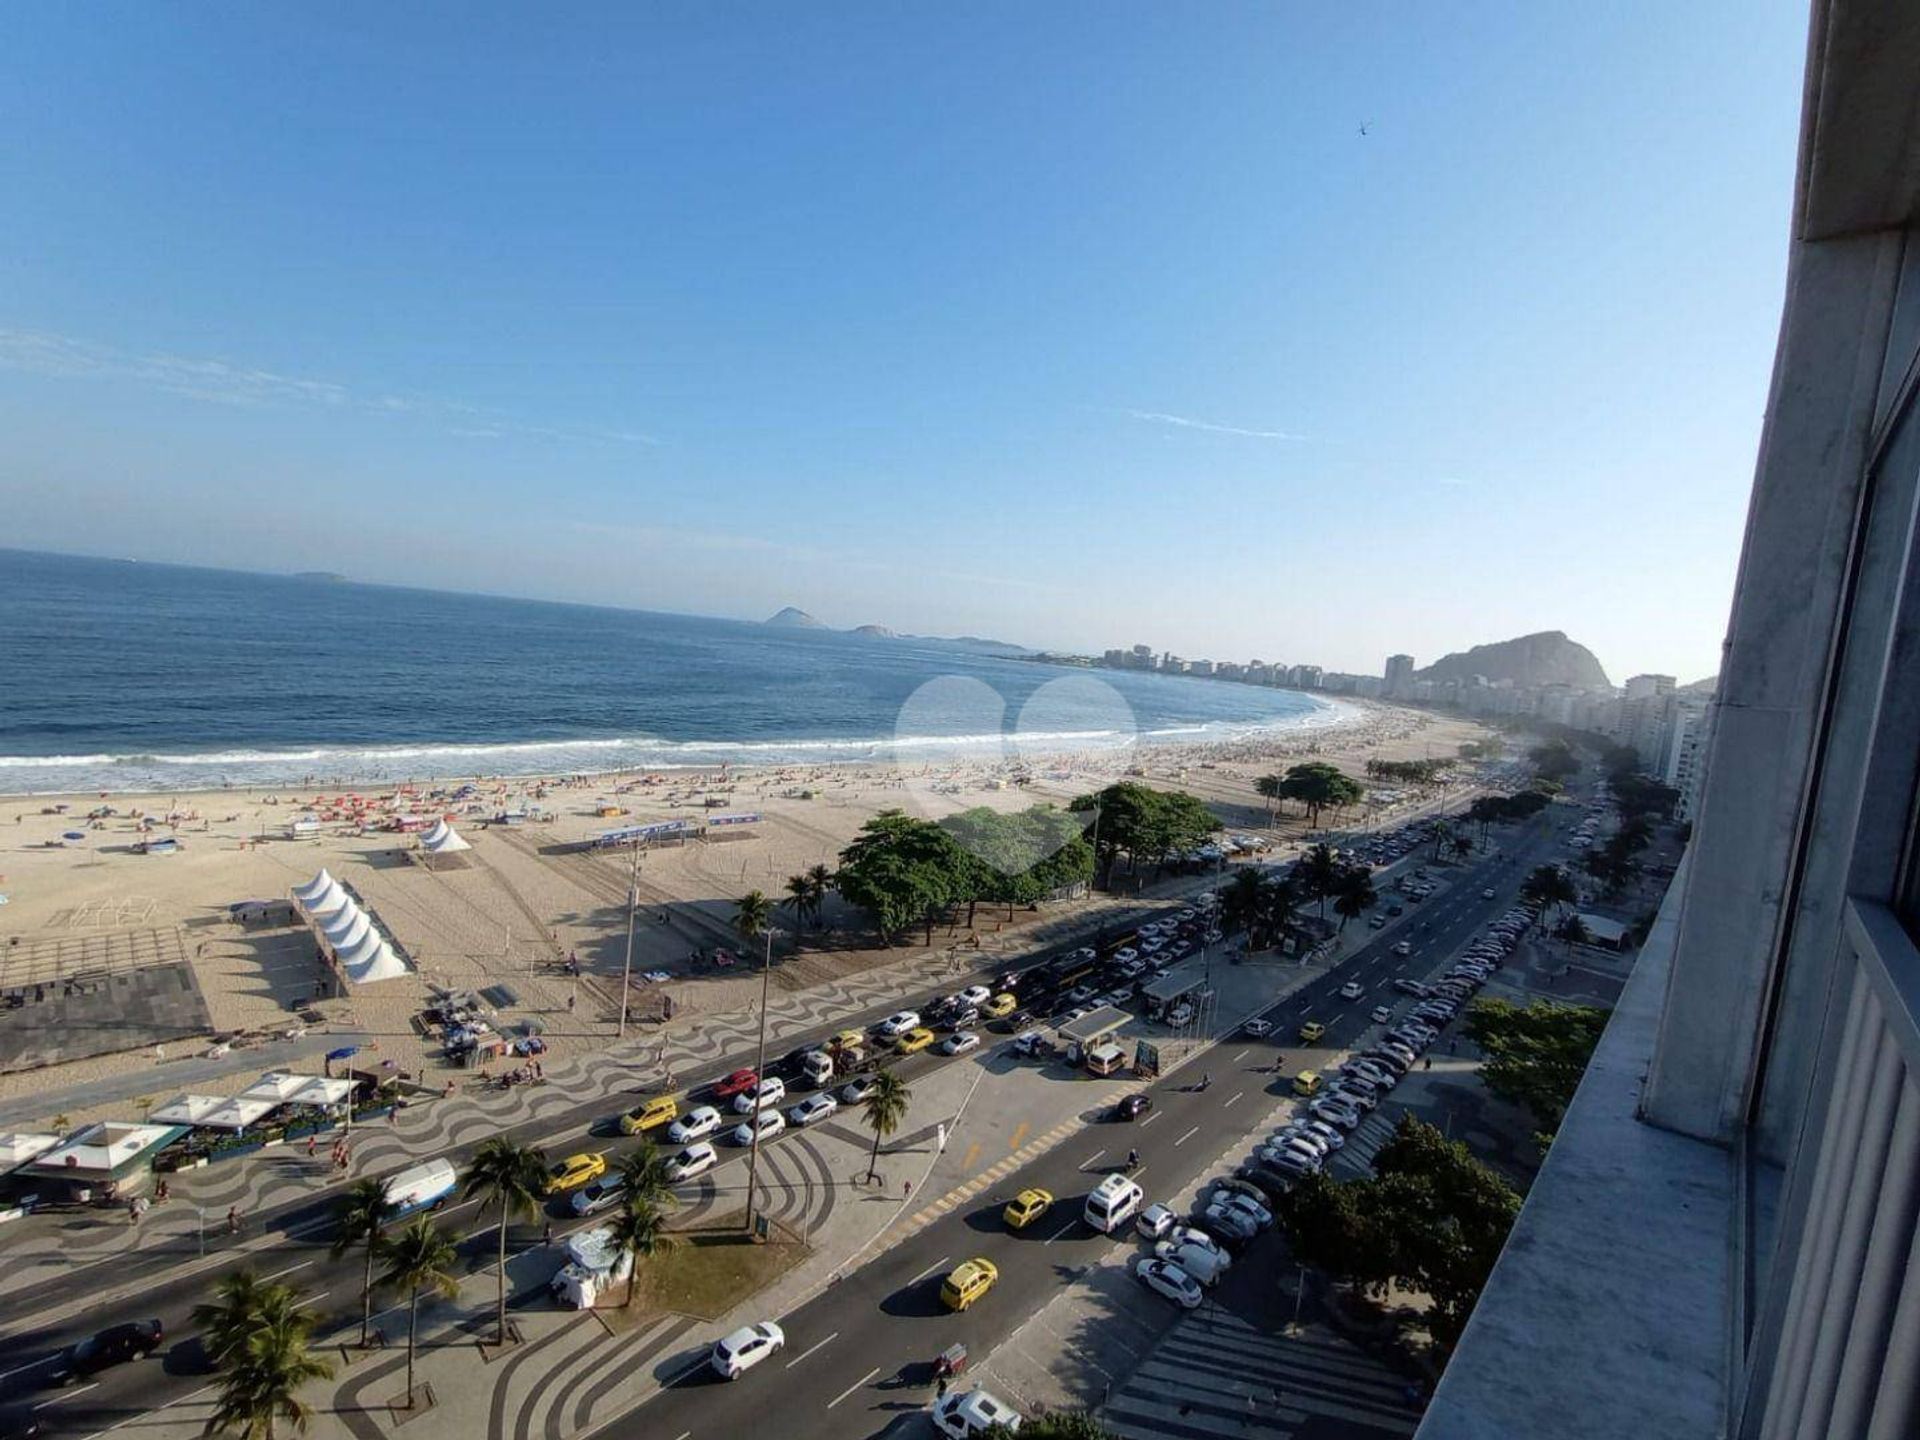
{"points": [[1645, 687], [1399, 675], [1304, 677], [1724, 1239]]}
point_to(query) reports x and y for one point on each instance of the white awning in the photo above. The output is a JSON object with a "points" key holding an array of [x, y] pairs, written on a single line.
{"points": [[443, 839], [238, 1113], [314, 888], [353, 935], [321, 1091], [276, 1086], [187, 1109]]}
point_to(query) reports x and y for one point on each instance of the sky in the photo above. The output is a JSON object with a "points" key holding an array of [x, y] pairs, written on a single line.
{"points": [[1300, 332]]}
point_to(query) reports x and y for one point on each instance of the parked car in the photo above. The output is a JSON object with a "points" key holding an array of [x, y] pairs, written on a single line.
{"points": [[1155, 1221], [968, 1414], [959, 1043], [1163, 1277]]}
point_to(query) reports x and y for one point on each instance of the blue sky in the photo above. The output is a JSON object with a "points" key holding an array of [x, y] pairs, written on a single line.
{"points": [[1075, 324]]}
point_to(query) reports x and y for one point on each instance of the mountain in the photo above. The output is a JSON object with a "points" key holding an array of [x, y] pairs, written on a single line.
{"points": [[1548, 658], [877, 632], [792, 619]]}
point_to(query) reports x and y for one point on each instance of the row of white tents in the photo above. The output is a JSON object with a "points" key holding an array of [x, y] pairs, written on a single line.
{"points": [[236, 1112], [349, 931]]}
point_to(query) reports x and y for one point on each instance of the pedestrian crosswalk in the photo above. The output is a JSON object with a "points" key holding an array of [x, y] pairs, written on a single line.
{"points": [[1355, 1158], [1216, 1375]]}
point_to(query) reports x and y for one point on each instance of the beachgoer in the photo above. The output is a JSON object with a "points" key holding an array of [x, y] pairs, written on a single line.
{"points": [[312, 1141]]}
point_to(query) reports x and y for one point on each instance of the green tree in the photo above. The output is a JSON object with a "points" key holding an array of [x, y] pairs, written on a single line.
{"points": [[1145, 824], [902, 871], [1269, 786], [752, 916], [1318, 785], [1554, 761], [512, 1178], [261, 1378], [1319, 871], [885, 1107], [1574, 931], [647, 1176], [242, 1302], [358, 1217], [820, 879], [1353, 893], [799, 899], [1240, 902], [418, 1257], [1535, 1055], [1548, 886], [1054, 1425], [640, 1231], [1279, 901], [1462, 847]]}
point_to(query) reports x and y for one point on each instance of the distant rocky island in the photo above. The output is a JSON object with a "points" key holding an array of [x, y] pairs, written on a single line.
{"points": [[792, 617], [1547, 658]]}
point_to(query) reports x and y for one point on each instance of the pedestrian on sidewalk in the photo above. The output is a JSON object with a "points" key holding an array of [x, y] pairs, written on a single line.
{"points": [[312, 1141], [547, 1237], [233, 1219]]}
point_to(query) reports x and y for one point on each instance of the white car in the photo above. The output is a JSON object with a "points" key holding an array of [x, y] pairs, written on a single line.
{"points": [[1382, 1014], [1261, 1216], [1257, 1028], [962, 1415], [896, 1025], [770, 1091], [1336, 1112], [975, 996], [1205, 1266], [1405, 947], [1314, 1146], [1319, 1128], [1163, 1277], [1352, 990], [812, 1110], [746, 1347], [694, 1125], [768, 1123], [1125, 954], [959, 1043], [692, 1161], [1197, 1238], [1156, 1221]]}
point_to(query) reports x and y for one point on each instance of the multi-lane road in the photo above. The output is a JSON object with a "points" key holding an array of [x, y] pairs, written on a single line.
{"points": [[858, 1354]]}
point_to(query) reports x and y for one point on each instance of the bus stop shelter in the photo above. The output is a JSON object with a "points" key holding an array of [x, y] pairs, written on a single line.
{"points": [[1166, 992], [1090, 1029]]}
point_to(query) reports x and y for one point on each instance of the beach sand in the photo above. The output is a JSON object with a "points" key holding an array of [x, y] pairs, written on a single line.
{"points": [[526, 898]]}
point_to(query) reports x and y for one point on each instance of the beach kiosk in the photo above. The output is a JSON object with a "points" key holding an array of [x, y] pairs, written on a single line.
{"points": [[594, 1264], [1092, 1033]]}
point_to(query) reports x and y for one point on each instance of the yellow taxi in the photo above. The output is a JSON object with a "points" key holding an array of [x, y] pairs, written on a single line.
{"points": [[1311, 1031], [849, 1040], [1001, 1006], [1306, 1082], [1026, 1207], [914, 1040], [967, 1282], [573, 1172], [643, 1117]]}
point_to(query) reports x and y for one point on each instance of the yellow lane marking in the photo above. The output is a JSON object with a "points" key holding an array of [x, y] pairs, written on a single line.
{"points": [[1019, 1134], [973, 1153]]}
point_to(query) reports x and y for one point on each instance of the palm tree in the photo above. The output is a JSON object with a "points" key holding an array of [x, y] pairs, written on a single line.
{"points": [[647, 1179], [1462, 847], [1240, 902], [641, 1231], [358, 1216], [1442, 833], [1279, 901], [1321, 871], [514, 1177], [262, 1377], [886, 1107], [752, 915], [420, 1257], [799, 899], [1269, 786], [1548, 886], [242, 1303], [821, 879], [1353, 893]]}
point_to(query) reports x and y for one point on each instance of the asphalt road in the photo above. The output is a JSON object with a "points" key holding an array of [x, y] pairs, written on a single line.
{"points": [[859, 1355]]}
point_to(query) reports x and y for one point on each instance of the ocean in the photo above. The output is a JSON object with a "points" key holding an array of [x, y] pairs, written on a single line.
{"points": [[117, 675]]}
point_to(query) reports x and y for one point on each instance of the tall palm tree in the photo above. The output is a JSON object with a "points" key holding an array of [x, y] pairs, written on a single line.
{"points": [[647, 1178], [752, 914], [799, 899], [1462, 847], [1279, 900], [512, 1177], [1269, 787], [886, 1107], [261, 1379], [1320, 868], [641, 1231], [821, 879], [242, 1302], [419, 1257], [1240, 901], [1353, 893], [358, 1217]]}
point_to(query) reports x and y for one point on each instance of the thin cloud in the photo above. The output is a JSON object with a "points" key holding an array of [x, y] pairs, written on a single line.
{"points": [[221, 382], [1452, 482], [1183, 422]]}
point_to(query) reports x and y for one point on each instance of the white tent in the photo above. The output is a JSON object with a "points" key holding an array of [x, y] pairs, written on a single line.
{"points": [[323, 905], [186, 1109], [372, 960], [277, 1087], [314, 888], [350, 932], [238, 1114], [443, 839], [321, 1091], [341, 921]]}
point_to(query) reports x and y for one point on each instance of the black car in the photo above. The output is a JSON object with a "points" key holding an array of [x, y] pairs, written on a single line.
{"points": [[135, 1340], [1268, 1181], [1132, 1107]]}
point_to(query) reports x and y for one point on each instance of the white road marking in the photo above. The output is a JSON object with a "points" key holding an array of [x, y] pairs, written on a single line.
{"points": [[926, 1272], [1238, 1058], [1150, 1119], [1091, 1158], [183, 1399], [68, 1395], [22, 1369], [803, 1354], [1068, 1225], [288, 1271], [853, 1387], [1186, 1137], [1230, 1099]]}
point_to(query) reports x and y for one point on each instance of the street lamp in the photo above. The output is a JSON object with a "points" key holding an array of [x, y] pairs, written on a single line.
{"points": [[759, 1070], [626, 971]]}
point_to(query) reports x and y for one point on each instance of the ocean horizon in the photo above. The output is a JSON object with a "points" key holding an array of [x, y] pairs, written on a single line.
{"points": [[123, 675]]}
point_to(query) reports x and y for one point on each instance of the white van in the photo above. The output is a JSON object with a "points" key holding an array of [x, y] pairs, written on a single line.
{"points": [[1106, 1058], [1112, 1203]]}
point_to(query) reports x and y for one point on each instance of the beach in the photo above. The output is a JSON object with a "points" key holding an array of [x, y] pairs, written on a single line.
{"points": [[508, 915]]}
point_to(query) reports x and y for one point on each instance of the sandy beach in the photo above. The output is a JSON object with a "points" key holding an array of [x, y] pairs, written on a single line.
{"points": [[512, 910]]}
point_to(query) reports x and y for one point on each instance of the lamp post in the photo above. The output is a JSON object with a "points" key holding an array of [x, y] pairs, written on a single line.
{"points": [[626, 971], [759, 1071]]}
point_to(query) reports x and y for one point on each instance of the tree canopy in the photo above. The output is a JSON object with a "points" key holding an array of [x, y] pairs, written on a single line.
{"points": [[1145, 824], [1431, 1218], [1317, 785], [1536, 1054], [1021, 858], [1554, 760], [902, 872]]}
